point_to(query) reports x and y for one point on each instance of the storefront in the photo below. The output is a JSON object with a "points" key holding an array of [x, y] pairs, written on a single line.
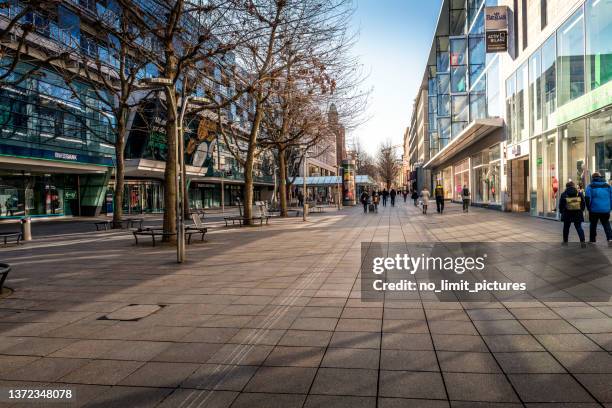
{"points": [[33, 194], [462, 177], [570, 153], [486, 176]]}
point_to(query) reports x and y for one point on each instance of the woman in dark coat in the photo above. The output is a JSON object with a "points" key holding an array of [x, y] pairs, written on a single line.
{"points": [[571, 207]]}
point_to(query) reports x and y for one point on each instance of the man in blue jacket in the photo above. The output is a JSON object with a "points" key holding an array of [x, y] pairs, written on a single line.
{"points": [[599, 202]]}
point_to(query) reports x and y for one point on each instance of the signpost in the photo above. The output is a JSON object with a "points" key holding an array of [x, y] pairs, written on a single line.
{"points": [[497, 29]]}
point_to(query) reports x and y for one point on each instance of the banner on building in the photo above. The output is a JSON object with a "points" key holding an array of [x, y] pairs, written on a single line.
{"points": [[497, 41], [496, 18]]}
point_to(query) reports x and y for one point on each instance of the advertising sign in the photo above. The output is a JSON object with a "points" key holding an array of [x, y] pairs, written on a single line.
{"points": [[496, 18], [348, 182], [497, 41]]}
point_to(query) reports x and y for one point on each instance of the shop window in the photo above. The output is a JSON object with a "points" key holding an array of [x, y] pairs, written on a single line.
{"points": [[598, 15], [462, 177], [570, 42], [571, 163], [537, 177], [549, 84], [600, 144]]}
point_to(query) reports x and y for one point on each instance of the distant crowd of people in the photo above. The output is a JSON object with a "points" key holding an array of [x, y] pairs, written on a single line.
{"points": [[596, 199]]}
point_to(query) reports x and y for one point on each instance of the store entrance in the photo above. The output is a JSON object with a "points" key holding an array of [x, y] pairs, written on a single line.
{"points": [[519, 180]]}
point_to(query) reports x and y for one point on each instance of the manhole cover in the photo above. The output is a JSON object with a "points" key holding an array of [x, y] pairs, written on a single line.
{"points": [[132, 312]]}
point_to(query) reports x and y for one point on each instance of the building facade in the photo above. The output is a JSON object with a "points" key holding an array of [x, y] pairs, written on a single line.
{"points": [[516, 124], [57, 153]]}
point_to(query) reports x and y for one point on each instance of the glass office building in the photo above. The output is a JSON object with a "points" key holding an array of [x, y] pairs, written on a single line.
{"points": [[57, 139], [464, 94], [516, 126], [565, 111]]}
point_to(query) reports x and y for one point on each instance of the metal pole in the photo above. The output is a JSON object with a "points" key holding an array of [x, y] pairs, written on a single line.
{"points": [[338, 192], [180, 162], [222, 172], [305, 208]]}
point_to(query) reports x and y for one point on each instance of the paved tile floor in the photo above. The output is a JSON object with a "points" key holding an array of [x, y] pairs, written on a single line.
{"points": [[272, 317]]}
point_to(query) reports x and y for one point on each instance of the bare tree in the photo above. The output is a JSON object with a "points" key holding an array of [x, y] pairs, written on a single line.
{"points": [[388, 167], [190, 36], [364, 162], [296, 43], [111, 66]]}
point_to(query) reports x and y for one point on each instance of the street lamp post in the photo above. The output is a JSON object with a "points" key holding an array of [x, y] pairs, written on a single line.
{"points": [[339, 188], [179, 168], [305, 208]]}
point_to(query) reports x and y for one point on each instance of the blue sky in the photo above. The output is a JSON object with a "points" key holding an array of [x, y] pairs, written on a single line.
{"points": [[394, 40]]}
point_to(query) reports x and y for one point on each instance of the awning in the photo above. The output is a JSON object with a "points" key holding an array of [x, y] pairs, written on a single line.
{"points": [[475, 131], [330, 181]]}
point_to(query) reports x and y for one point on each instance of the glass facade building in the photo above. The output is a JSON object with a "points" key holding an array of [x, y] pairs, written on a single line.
{"points": [[550, 95], [568, 109], [463, 88], [57, 139]]}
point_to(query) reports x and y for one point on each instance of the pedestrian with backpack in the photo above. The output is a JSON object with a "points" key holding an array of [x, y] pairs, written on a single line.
{"points": [[571, 207], [439, 194], [599, 203], [465, 197]]}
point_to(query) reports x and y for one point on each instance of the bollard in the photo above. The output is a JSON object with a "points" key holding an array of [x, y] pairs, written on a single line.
{"points": [[305, 212], [4, 271], [26, 229]]}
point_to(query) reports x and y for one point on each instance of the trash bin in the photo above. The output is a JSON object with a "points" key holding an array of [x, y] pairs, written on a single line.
{"points": [[26, 229]]}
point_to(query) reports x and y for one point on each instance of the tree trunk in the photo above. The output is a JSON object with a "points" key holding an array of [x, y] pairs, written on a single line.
{"points": [[248, 166], [282, 187], [170, 176], [119, 171]]}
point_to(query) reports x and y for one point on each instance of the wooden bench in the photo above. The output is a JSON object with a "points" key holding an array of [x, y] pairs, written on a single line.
{"points": [[103, 225], [6, 236], [197, 227], [131, 222], [259, 213], [153, 233]]}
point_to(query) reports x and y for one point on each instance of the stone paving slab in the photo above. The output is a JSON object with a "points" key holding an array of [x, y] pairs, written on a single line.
{"points": [[273, 317]]}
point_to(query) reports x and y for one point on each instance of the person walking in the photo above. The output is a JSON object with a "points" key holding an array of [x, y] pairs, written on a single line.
{"points": [[392, 194], [571, 207], [415, 197], [425, 199], [300, 198], [385, 195], [365, 198], [405, 194], [439, 194], [465, 198], [375, 200], [598, 199]]}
